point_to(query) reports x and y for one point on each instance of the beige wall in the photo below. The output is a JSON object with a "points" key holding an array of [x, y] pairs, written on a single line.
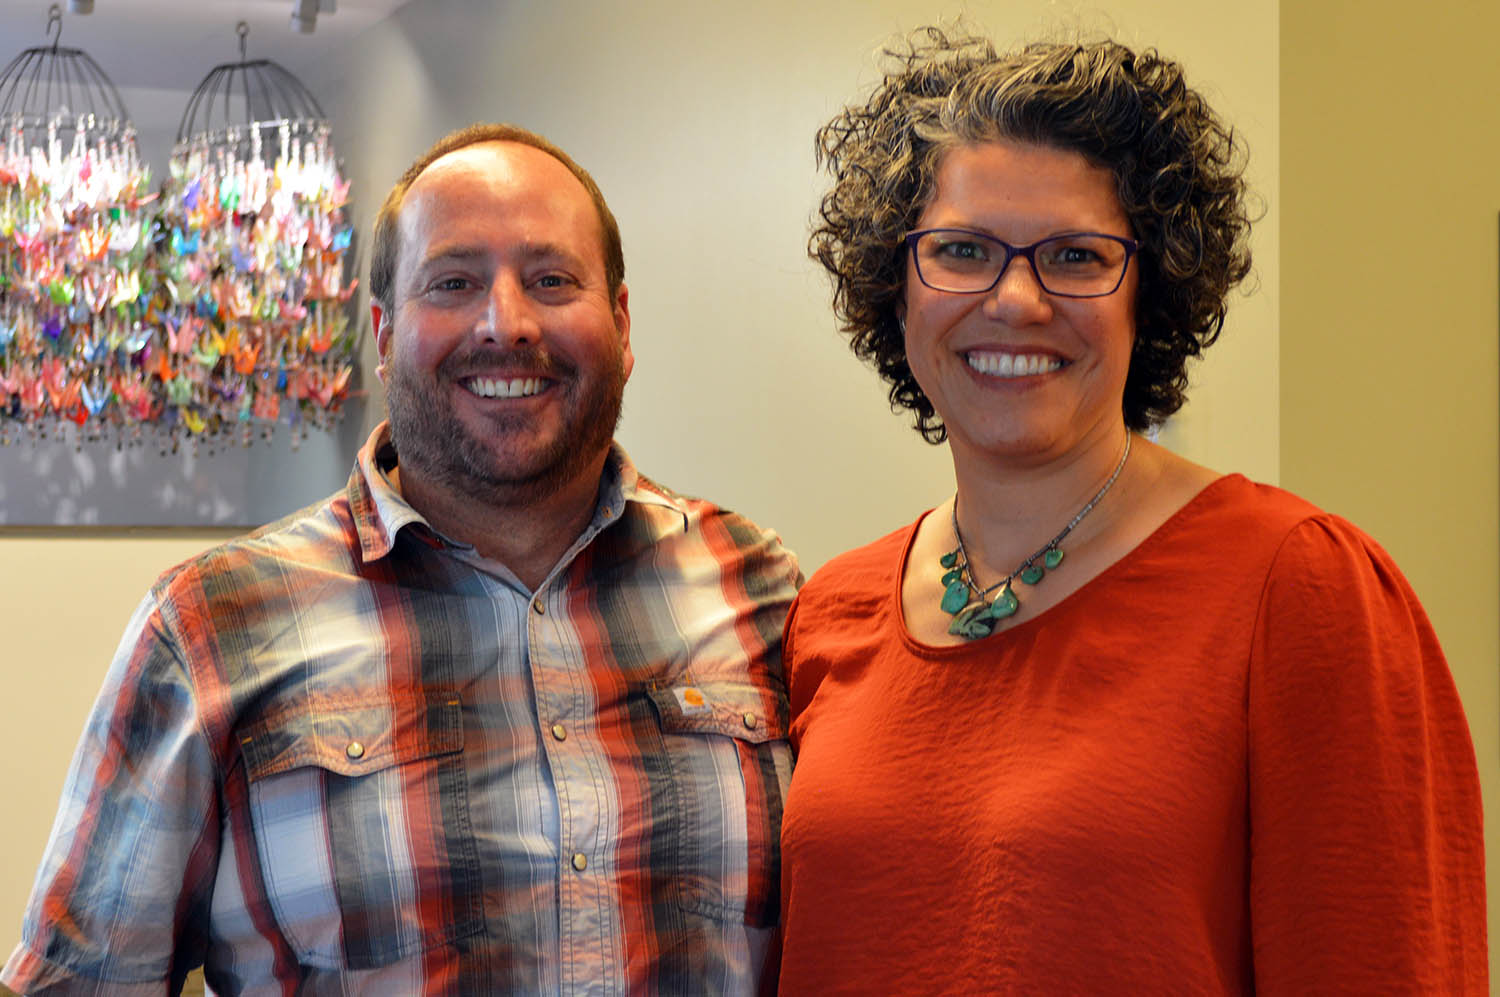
{"points": [[1390, 174], [63, 603]]}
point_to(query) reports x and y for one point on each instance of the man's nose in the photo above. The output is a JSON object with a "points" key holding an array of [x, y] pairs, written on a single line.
{"points": [[510, 315]]}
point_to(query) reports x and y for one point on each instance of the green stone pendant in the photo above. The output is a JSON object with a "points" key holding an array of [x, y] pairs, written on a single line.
{"points": [[956, 597], [1053, 557], [972, 621], [949, 559], [1033, 574], [1005, 604], [955, 575]]}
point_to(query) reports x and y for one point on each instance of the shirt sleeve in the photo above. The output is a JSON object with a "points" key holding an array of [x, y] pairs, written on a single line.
{"points": [[122, 894], [1366, 844]]}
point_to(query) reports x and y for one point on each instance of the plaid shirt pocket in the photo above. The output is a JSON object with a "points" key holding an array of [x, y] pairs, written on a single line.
{"points": [[730, 763], [359, 808]]}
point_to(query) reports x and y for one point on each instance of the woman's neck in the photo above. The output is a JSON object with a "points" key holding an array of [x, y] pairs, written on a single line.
{"points": [[1006, 517], [1007, 509]]}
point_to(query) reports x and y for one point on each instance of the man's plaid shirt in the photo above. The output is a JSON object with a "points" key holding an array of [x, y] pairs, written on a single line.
{"points": [[344, 754]]}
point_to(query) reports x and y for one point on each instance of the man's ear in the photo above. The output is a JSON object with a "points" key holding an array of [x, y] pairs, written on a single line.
{"points": [[380, 320], [622, 323]]}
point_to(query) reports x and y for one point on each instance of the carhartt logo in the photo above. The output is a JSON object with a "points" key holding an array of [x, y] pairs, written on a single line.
{"points": [[690, 700]]}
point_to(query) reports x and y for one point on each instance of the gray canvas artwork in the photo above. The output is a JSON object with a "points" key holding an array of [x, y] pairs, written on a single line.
{"points": [[60, 482]]}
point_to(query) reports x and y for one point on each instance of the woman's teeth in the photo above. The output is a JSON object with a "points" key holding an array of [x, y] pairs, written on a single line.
{"points": [[1012, 364]]}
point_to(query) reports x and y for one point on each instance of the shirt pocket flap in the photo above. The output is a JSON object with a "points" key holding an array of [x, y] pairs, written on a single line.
{"points": [[352, 736], [733, 709]]}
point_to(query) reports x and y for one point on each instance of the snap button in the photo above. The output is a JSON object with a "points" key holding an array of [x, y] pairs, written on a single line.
{"points": [[536, 605], [751, 720], [355, 750], [560, 732], [580, 861]]}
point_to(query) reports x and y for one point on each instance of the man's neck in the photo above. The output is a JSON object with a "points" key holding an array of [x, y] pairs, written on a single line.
{"points": [[528, 535]]}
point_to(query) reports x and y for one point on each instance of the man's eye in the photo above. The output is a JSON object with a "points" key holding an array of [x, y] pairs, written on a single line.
{"points": [[451, 284], [553, 281]]}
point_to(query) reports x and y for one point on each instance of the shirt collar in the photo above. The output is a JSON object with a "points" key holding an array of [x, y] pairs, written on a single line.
{"points": [[380, 512]]}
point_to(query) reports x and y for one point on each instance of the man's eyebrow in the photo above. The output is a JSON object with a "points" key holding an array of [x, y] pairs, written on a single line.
{"points": [[529, 252], [550, 251], [445, 254]]}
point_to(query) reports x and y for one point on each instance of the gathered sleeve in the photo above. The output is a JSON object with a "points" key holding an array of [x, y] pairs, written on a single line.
{"points": [[1365, 823], [121, 899]]}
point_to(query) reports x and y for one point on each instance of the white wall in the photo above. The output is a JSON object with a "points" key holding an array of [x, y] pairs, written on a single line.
{"points": [[697, 120]]}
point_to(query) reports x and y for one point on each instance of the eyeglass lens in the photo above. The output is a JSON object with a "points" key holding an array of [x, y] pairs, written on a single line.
{"points": [[1083, 265]]}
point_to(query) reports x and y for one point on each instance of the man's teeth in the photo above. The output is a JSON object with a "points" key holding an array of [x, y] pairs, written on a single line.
{"points": [[516, 387], [1012, 364]]}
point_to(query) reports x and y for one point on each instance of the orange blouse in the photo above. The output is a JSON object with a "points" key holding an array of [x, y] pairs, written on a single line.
{"points": [[1235, 762]]}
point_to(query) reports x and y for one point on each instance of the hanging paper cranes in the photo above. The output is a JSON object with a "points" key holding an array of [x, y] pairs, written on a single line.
{"points": [[212, 310], [73, 209]]}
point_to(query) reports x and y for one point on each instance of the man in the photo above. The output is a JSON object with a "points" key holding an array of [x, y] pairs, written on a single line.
{"points": [[504, 716]]}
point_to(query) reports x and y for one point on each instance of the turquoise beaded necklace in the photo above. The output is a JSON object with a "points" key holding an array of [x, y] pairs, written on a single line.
{"points": [[974, 614]]}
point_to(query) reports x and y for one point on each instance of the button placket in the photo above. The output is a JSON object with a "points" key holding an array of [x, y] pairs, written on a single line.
{"points": [[551, 666]]}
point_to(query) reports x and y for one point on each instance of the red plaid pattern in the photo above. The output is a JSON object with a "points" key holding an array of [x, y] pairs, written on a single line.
{"points": [[343, 754]]}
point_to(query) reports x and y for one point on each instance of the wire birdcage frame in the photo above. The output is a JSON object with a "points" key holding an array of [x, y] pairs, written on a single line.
{"points": [[241, 106], [49, 94]]}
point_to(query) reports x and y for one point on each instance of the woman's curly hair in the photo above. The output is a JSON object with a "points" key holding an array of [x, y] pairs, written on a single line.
{"points": [[1178, 172]]}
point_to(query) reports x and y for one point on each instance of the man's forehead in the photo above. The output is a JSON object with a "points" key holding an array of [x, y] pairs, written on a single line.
{"points": [[505, 170], [510, 171], [500, 164]]}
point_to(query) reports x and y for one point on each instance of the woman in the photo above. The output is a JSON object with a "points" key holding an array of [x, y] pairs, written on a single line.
{"points": [[1106, 721]]}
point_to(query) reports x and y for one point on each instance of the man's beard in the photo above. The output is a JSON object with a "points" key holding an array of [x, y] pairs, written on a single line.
{"points": [[433, 442]]}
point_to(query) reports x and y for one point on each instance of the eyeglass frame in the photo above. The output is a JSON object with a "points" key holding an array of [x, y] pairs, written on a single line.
{"points": [[1131, 246]]}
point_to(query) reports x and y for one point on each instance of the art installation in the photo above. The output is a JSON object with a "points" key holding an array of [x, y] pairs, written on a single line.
{"points": [[213, 308]]}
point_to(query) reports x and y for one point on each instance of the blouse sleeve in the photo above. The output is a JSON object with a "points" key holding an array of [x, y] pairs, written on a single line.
{"points": [[1366, 844]]}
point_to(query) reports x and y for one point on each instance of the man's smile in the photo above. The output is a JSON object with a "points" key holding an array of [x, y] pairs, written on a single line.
{"points": [[514, 387]]}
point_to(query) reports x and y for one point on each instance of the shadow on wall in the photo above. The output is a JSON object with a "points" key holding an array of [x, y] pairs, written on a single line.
{"points": [[58, 482]]}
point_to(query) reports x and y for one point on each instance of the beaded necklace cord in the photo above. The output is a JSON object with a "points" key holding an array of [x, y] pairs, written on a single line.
{"points": [[974, 614]]}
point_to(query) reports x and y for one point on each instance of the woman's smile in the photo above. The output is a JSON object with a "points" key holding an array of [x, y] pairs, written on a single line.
{"points": [[995, 363]]}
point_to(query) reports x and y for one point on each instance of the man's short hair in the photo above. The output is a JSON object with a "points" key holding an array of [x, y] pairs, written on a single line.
{"points": [[387, 239]]}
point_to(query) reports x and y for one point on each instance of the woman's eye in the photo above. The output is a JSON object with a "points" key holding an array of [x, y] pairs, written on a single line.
{"points": [[1082, 252], [1075, 254], [964, 251]]}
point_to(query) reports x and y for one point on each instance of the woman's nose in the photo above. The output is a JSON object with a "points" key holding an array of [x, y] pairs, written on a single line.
{"points": [[1018, 297]]}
